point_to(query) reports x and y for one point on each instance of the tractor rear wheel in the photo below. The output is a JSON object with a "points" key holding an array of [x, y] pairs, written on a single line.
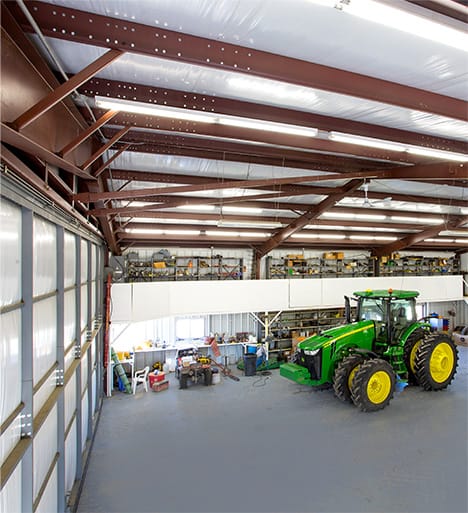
{"points": [[436, 362], [344, 375], [373, 385], [409, 353]]}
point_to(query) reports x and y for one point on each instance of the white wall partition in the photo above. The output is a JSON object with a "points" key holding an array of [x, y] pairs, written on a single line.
{"points": [[10, 253], [10, 496], [45, 449], [45, 336], [145, 301], [45, 257]]}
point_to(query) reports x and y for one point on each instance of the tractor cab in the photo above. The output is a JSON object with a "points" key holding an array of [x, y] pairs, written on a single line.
{"points": [[392, 312]]}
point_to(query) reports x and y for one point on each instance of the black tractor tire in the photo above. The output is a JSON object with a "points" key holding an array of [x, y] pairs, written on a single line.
{"points": [[208, 377], [341, 377], [373, 385], [183, 379], [436, 361], [409, 353]]}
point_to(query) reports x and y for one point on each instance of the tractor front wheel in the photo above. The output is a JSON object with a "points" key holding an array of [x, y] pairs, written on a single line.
{"points": [[436, 362], [373, 385], [344, 376], [409, 353]]}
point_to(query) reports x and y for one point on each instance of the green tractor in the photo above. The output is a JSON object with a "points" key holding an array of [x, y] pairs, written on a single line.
{"points": [[362, 359]]}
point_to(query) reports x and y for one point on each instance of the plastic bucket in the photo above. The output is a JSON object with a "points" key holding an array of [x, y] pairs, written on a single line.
{"points": [[250, 364], [250, 349], [216, 377]]}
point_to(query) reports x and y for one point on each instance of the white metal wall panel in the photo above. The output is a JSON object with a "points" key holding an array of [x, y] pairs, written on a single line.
{"points": [[49, 500], [84, 306], [70, 458], [45, 257], [44, 450], [10, 253], [44, 336], [69, 317], [94, 261], [69, 259], [9, 438], [10, 363], [94, 388], [70, 399], [84, 420], [84, 371], [41, 395], [84, 260], [10, 495], [93, 352], [93, 300]]}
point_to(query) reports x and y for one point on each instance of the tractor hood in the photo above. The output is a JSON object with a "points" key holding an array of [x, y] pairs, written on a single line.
{"points": [[327, 337]]}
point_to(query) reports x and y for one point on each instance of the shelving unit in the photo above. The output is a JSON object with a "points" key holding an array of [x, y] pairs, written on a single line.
{"points": [[419, 266], [294, 266], [183, 268], [290, 326]]}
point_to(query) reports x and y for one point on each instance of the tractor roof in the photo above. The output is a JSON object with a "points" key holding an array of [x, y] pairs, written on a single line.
{"points": [[389, 293]]}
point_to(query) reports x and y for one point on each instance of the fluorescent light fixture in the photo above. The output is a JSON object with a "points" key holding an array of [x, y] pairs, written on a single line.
{"points": [[394, 146], [366, 141], [323, 227], [269, 126], [248, 224], [245, 210], [437, 154], [152, 110], [149, 109], [334, 237], [361, 237], [221, 233], [364, 217], [197, 207], [454, 233], [304, 236], [405, 21], [150, 231], [461, 241], [254, 234], [439, 240], [426, 220]]}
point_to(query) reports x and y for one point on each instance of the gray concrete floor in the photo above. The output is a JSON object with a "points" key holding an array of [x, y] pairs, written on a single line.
{"points": [[265, 444]]}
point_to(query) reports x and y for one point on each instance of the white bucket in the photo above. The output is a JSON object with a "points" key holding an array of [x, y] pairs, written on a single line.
{"points": [[216, 378]]}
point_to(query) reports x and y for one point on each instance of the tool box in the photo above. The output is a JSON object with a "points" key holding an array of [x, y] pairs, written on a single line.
{"points": [[156, 378], [159, 386]]}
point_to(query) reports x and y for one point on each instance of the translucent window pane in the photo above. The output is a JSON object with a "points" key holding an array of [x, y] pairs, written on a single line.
{"points": [[94, 260], [94, 313], [10, 253], [84, 372], [9, 438], [49, 500], [69, 317], [44, 392], [84, 260], [84, 306], [70, 458], [70, 259], [10, 495], [44, 257], [44, 336], [44, 449], [84, 420], [10, 364], [70, 399]]}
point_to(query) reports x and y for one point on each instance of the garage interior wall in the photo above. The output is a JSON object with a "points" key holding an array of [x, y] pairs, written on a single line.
{"points": [[51, 353]]}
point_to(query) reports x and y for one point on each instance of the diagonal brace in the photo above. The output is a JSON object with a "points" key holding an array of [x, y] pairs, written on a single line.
{"points": [[63, 90]]}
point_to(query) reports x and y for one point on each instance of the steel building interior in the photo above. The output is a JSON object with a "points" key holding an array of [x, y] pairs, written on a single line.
{"points": [[220, 160]]}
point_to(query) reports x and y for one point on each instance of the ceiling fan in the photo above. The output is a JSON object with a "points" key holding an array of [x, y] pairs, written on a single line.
{"points": [[367, 203]]}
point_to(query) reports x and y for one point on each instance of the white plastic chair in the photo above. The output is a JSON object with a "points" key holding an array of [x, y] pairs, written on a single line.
{"points": [[140, 376]]}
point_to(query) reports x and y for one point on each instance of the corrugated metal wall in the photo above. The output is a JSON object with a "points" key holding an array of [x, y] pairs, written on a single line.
{"points": [[51, 346]]}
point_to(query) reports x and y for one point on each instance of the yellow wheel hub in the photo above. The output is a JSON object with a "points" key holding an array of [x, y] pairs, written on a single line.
{"points": [[413, 355], [351, 376], [441, 362], [379, 387]]}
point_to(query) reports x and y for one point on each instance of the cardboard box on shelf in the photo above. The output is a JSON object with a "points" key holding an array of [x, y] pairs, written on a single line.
{"points": [[329, 256]]}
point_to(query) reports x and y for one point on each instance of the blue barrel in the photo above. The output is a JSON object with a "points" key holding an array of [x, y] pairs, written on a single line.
{"points": [[250, 364]]}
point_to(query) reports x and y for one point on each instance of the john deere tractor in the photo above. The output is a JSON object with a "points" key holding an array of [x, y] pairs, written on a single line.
{"points": [[363, 358]]}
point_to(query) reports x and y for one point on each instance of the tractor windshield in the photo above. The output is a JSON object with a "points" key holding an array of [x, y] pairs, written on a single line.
{"points": [[372, 309]]}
